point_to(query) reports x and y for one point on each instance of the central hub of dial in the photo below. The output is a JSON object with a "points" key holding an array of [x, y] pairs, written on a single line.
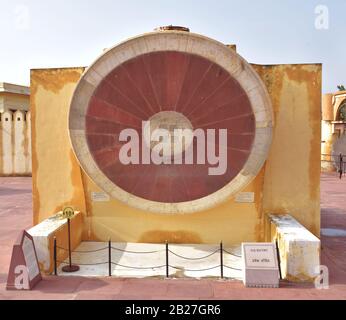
{"points": [[168, 128]]}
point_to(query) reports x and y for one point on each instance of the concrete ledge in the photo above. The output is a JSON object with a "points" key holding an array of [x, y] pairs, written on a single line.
{"points": [[299, 248], [44, 233]]}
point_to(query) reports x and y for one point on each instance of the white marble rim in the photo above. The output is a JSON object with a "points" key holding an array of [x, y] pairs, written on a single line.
{"points": [[186, 42]]}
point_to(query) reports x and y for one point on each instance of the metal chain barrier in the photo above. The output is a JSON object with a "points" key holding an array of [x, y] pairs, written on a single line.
{"points": [[228, 267], [111, 263], [199, 258], [85, 264], [137, 252], [86, 251], [139, 268], [195, 270], [232, 253]]}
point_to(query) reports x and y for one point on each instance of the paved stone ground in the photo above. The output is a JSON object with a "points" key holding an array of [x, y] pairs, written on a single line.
{"points": [[15, 214]]}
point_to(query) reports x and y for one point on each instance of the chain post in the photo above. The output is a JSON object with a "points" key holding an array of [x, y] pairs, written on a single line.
{"points": [[221, 259], [110, 257], [55, 258], [340, 165], [70, 267], [167, 261]]}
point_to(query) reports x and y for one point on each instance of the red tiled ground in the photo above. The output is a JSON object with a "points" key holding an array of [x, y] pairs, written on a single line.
{"points": [[15, 214]]}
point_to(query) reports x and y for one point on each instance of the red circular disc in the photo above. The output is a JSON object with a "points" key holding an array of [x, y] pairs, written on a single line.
{"points": [[202, 91]]}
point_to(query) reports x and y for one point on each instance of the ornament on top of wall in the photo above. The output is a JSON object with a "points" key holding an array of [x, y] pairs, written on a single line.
{"points": [[67, 212]]}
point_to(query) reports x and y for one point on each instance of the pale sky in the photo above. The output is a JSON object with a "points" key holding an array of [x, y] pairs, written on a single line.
{"points": [[46, 33]]}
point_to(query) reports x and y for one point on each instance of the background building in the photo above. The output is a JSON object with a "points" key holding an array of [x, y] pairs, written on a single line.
{"points": [[14, 97], [333, 129], [15, 130]]}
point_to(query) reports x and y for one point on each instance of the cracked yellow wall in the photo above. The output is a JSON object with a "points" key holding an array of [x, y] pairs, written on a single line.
{"points": [[288, 183], [292, 180], [57, 180]]}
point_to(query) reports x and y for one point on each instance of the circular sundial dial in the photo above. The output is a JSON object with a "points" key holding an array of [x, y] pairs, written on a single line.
{"points": [[173, 82]]}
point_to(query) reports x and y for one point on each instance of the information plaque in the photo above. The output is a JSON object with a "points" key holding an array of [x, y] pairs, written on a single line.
{"points": [[245, 197], [100, 197], [24, 272], [261, 267]]}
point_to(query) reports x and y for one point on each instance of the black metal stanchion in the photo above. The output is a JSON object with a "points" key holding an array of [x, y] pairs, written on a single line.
{"points": [[278, 256], [221, 259], [55, 259], [341, 160], [70, 267], [167, 262], [110, 257]]}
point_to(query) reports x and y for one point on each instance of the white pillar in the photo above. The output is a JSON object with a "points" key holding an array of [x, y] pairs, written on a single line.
{"points": [[19, 142], [7, 143], [28, 166]]}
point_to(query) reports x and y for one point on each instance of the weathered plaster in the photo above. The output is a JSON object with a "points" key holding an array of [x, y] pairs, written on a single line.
{"points": [[56, 174], [299, 249], [293, 166], [289, 181]]}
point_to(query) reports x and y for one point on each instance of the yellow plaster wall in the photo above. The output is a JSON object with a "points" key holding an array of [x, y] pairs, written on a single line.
{"points": [[327, 107], [289, 182], [292, 179], [57, 180], [231, 222]]}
